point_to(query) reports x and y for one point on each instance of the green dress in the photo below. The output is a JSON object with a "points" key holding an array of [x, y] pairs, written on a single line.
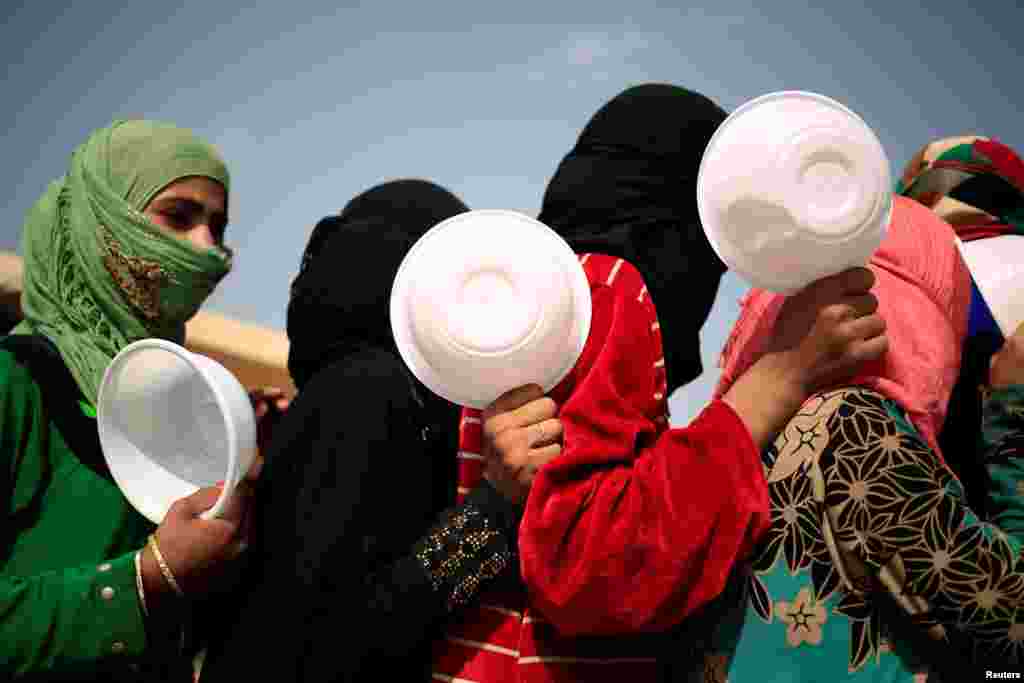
{"points": [[874, 568], [69, 606]]}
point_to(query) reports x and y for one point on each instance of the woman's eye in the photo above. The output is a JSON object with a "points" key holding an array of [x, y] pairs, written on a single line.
{"points": [[177, 218]]}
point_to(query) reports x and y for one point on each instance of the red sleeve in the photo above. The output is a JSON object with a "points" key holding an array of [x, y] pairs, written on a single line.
{"points": [[635, 526]]}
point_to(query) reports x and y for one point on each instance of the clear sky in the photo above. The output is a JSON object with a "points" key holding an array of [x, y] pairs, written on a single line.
{"points": [[312, 103]]}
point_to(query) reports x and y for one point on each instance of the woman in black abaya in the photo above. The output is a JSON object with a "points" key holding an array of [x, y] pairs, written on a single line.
{"points": [[346, 578]]}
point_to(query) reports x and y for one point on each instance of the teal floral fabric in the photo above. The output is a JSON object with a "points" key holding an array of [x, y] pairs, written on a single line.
{"points": [[874, 568]]}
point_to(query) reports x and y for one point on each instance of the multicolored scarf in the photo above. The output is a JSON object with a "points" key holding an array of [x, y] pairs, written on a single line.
{"points": [[975, 184]]}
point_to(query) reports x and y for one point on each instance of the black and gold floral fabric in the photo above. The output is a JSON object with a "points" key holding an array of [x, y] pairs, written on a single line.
{"points": [[875, 569]]}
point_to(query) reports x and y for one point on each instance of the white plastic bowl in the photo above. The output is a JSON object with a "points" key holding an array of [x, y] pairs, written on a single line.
{"points": [[487, 301], [997, 268], [792, 187], [171, 422]]}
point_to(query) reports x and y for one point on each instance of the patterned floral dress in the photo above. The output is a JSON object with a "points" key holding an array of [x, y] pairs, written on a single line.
{"points": [[875, 569]]}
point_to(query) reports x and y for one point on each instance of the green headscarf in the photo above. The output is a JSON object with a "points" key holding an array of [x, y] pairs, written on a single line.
{"points": [[98, 274]]}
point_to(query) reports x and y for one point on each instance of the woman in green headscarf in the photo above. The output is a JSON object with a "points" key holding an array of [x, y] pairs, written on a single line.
{"points": [[126, 245]]}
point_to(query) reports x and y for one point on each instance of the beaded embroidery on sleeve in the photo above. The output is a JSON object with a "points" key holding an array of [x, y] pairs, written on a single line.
{"points": [[463, 552]]}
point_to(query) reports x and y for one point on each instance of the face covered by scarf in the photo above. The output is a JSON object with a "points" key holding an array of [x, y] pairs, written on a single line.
{"points": [[340, 298], [629, 189], [923, 291], [98, 274]]}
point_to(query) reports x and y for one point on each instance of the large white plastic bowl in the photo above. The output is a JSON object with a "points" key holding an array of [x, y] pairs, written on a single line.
{"points": [[792, 187], [171, 422], [997, 268], [488, 301]]}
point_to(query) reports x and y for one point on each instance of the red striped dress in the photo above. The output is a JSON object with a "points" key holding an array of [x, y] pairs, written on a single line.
{"points": [[632, 528]]}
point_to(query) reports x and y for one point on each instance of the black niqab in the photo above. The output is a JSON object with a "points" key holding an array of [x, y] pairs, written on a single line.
{"points": [[628, 189], [340, 298]]}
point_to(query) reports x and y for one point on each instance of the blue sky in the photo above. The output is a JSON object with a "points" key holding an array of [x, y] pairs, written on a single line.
{"points": [[312, 103]]}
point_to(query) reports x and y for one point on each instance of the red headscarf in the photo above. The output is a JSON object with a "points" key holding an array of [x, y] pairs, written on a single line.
{"points": [[924, 292]]}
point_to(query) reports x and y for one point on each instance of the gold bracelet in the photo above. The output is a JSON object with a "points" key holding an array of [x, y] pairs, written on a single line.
{"points": [[139, 587], [164, 569]]}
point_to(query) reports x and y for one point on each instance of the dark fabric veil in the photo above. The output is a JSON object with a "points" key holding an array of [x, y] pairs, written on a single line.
{"points": [[339, 299], [629, 189]]}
